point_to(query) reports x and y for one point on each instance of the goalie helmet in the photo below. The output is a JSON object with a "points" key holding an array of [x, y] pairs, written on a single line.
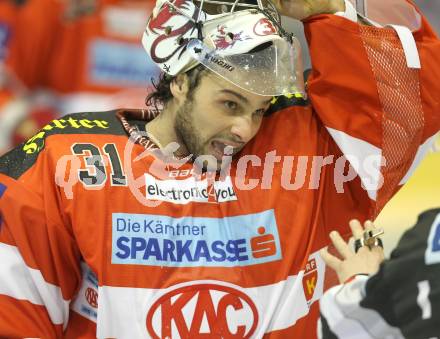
{"points": [[245, 44]]}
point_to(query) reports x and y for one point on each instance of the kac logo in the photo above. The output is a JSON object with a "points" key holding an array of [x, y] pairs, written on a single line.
{"points": [[92, 297], [205, 309]]}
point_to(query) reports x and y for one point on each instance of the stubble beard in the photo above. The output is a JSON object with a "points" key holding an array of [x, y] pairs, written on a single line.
{"points": [[185, 130], [189, 138]]}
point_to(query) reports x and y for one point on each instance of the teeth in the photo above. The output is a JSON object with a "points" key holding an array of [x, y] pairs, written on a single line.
{"points": [[223, 148], [228, 149]]}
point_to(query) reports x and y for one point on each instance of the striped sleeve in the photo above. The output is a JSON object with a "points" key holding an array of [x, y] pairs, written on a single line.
{"points": [[39, 271], [402, 300], [343, 315]]}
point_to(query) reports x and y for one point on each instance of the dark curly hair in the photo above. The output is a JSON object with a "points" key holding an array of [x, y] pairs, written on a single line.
{"points": [[162, 93]]}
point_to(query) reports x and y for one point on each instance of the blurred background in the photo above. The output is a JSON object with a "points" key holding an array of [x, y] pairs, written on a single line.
{"points": [[64, 56]]}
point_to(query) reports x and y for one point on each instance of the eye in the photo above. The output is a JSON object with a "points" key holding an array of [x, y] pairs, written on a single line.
{"points": [[230, 105]]}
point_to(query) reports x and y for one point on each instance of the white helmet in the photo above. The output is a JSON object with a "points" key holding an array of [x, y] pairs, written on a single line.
{"points": [[247, 47]]}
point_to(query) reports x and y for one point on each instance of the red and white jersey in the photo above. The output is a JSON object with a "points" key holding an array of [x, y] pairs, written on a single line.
{"points": [[101, 237]]}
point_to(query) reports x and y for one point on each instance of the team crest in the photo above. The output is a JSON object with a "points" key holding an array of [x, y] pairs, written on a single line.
{"points": [[310, 279]]}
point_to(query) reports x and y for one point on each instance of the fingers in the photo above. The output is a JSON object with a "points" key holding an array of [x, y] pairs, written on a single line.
{"points": [[329, 259], [369, 225], [356, 228], [340, 244], [366, 260], [344, 249]]}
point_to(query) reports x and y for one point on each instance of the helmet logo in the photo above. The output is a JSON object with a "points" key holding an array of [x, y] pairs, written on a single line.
{"points": [[264, 27], [225, 39], [170, 24]]}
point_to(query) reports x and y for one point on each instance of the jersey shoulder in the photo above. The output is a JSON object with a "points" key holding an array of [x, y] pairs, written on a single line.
{"points": [[25, 155], [289, 100]]}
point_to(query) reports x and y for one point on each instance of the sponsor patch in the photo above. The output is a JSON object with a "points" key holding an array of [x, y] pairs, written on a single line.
{"points": [[158, 240], [432, 254], [310, 279], [121, 64], [86, 301], [184, 191], [313, 278], [207, 309], [92, 297], [36, 142], [220, 62]]}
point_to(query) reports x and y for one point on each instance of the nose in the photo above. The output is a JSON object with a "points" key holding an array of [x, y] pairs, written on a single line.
{"points": [[244, 128]]}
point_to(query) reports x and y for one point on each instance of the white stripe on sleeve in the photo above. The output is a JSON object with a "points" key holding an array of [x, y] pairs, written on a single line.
{"points": [[21, 282]]}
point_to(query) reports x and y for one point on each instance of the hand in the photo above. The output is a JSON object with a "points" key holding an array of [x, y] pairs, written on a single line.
{"points": [[301, 9], [365, 261]]}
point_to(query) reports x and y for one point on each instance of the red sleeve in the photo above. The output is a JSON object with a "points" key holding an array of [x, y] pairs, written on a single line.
{"points": [[40, 271], [371, 103]]}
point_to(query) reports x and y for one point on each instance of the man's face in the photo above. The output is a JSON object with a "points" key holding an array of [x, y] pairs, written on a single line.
{"points": [[218, 115]]}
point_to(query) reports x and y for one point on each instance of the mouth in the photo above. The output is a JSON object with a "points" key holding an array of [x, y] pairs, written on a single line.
{"points": [[223, 147]]}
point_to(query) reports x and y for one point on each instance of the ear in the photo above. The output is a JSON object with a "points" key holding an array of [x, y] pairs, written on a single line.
{"points": [[179, 87]]}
